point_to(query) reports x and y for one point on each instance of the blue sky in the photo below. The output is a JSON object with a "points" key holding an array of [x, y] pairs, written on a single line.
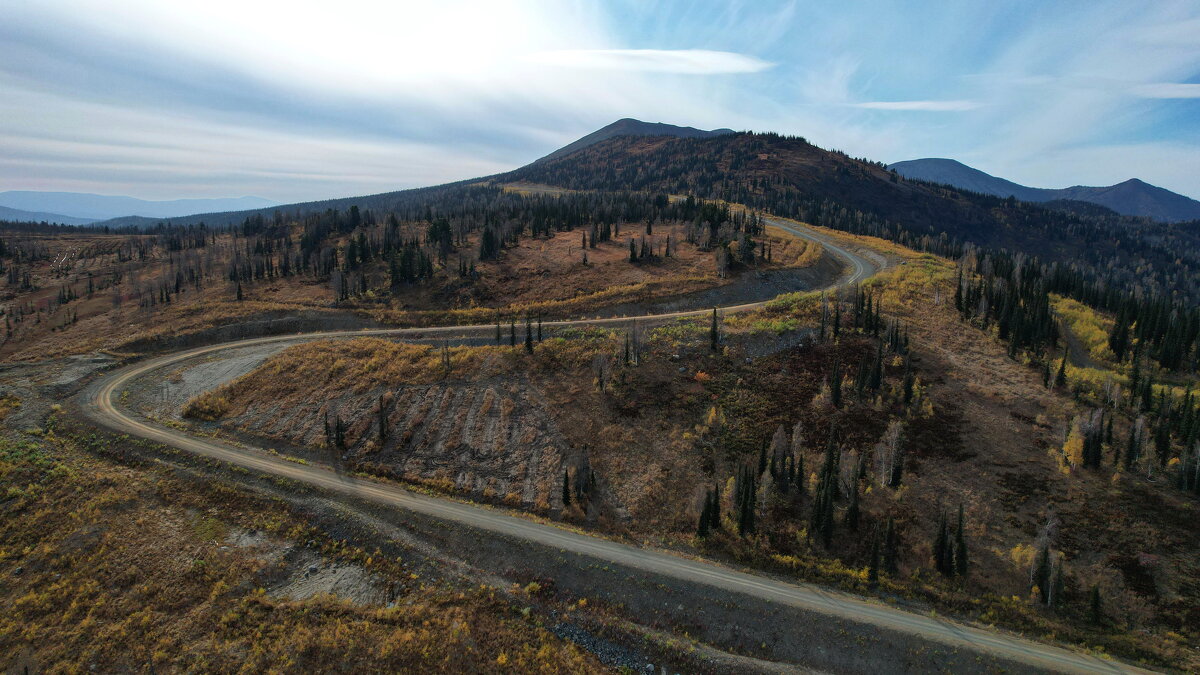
{"points": [[295, 101]]}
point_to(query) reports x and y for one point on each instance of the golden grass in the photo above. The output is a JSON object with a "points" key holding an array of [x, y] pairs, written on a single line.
{"points": [[1088, 325], [117, 574]]}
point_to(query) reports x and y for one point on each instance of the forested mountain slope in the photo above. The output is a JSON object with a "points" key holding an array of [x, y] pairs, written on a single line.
{"points": [[790, 177]]}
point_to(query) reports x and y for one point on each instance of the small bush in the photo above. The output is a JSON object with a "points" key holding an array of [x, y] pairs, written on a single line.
{"points": [[207, 406]]}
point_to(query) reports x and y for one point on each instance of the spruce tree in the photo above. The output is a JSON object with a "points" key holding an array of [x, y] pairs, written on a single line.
{"points": [[852, 511], [566, 488], [942, 556], [1043, 574], [714, 331], [1095, 606], [821, 519], [962, 561], [1133, 448], [705, 525], [891, 547], [873, 564]]}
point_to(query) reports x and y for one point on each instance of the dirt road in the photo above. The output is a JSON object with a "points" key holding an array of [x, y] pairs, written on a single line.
{"points": [[102, 406]]}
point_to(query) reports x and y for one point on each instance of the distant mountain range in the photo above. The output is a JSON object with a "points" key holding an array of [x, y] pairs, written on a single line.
{"points": [[19, 216], [1131, 198], [631, 127], [70, 208]]}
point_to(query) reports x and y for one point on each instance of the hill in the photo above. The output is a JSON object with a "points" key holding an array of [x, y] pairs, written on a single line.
{"points": [[791, 177], [632, 127], [19, 216], [93, 207], [1131, 198]]}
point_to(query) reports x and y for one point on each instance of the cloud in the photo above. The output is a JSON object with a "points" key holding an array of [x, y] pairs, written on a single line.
{"points": [[305, 100], [679, 61], [929, 106], [1167, 90]]}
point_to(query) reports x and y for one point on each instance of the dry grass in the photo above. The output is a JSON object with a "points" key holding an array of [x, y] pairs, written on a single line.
{"points": [[986, 434], [539, 276], [114, 569]]}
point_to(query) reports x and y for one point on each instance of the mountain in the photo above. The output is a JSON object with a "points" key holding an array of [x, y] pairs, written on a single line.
{"points": [[631, 127], [101, 207], [1131, 198], [790, 177], [19, 216]]}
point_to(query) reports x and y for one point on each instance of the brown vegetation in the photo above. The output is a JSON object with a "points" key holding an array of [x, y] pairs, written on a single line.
{"points": [[652, 431], [109, 568]]}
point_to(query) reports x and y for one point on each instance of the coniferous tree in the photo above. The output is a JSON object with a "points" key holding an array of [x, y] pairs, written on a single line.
{"points": [[705, 525], [909, 385], [1043, 573], [821, 520], [873, 564], [943, 553], [1118, 340], [891, 547], [835, 384], [1162, 443], [1133, 447], [566, 488], [962, 561], [747, 491], [1095, 606], [714, 331]]}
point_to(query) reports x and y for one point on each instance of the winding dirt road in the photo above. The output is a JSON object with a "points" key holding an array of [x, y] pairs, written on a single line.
{"points": [[102, 406]]}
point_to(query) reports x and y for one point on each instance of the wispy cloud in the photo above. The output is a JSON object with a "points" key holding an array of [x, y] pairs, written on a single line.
{"points": [[680, 61], [928, 106], [298, 101], [1167, 90]]}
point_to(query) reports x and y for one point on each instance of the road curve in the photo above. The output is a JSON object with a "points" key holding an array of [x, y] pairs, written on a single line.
{"points": [[101, 406]]}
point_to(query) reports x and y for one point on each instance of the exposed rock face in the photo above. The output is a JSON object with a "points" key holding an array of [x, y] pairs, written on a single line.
{"points": [[494, 437]]}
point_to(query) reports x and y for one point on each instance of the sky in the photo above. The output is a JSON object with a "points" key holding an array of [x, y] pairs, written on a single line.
{"points": [[296, 101]]}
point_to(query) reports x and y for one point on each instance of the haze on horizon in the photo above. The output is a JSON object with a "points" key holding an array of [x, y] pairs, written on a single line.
{"points": [[293, 103]]}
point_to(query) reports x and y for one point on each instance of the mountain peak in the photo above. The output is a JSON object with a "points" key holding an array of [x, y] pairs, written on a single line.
{"points": [[628, 126], [1133, 197]]}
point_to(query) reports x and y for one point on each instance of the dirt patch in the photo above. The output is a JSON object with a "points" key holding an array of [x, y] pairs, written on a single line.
{"points": [[165, 397]]}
